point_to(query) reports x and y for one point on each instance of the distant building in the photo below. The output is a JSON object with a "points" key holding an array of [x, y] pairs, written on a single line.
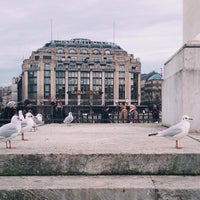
{"points": [[8, 93], [80, 72], [151, 89], [1, 98]]}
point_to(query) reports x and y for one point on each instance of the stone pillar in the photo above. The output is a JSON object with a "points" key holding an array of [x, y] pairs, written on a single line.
{"points": [[181, 86]]}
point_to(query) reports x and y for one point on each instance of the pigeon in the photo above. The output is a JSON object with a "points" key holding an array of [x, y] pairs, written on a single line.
{"points": [[177, 131], [26, 124], [38, 121], [69, 118], [10, 130]]}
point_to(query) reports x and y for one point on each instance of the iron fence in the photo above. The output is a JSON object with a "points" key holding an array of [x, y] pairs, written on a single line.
{"points": [[88, 116]]}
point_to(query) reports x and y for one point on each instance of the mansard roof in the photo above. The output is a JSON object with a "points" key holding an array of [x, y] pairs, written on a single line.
{"points": [[81, 42], [151, 76]]}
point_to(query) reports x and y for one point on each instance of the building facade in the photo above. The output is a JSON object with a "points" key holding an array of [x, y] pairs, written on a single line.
{"points": [[9, 93], [151, 89], [81, 72]]}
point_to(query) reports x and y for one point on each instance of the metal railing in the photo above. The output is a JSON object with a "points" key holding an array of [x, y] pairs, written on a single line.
{"points": [[94, 118]]}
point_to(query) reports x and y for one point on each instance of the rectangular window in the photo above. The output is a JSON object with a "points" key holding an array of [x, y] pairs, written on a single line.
{"points": [[97, 88], [85, 81], [37, 58], [47, 73], [121, 81], [96, 81], [121, 68], [46, 80], [60, 84], [32, 85], [85, 74], [121, 91], [109, 82], [97, 75], [73, 81], [47, 67], [60, 74], [60, 81], [47, 57], [109, 75], [73, 74], [121, 74], [72, 88]]}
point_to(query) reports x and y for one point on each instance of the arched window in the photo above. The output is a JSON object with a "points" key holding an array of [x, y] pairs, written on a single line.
{"points": [[60, 51], [96, 52], [72, 51], [83, 51], [107, 52]]}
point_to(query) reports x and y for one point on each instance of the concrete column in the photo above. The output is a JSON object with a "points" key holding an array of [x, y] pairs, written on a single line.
{"points": [[91, 80], [40, 86], [103, 87], [181, 86], [25, 86], [53, 83], [79, 87], [128, 90], [139, 89], [66, 88], [116, 86]]}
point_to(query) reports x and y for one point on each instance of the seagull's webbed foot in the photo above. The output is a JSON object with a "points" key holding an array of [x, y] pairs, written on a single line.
{"points": [[23, 137], [177, 146], [8, 145]]}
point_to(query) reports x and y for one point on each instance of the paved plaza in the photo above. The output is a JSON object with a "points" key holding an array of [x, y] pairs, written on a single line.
{"points": [[99, 138]]}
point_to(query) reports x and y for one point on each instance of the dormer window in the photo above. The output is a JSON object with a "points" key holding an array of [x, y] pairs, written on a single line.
{"points": [[107, 52], [84, 51], [96, 52], [72, 51], [60, 51]]}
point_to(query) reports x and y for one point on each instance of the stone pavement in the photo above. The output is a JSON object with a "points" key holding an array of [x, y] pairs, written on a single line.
{"points": [[100, 138], [100, 161]]}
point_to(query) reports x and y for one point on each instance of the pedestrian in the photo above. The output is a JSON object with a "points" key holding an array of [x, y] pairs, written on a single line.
{"points": [[10, 110], [58, 113], [133, 114], [123, 115], [105, 115], [28, 108], [155, 114]]}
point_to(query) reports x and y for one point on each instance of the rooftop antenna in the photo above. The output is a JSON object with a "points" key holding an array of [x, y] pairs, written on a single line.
{"points": [[113, 31], [161, 72], [51, 23]]}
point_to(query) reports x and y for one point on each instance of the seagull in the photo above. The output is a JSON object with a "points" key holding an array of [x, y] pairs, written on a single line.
{"points": [[69, 118], [26, 124], [176, 131], [10, 130], [37, 121]]}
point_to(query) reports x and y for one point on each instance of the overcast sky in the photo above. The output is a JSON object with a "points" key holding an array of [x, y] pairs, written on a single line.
{"points": [[149, 29]]}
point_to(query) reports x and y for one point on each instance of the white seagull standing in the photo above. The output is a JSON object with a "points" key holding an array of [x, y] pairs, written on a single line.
{"points": [[27, 123], [10, 130], [38, 121], [177, 131], [69, 118]]}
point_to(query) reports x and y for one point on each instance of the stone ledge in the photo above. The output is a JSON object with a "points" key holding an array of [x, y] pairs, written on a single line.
{"points": [[99, 164], [100, 187]]}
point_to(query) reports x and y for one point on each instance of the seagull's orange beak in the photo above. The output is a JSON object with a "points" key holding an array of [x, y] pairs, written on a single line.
{"points": [[190, 118]]}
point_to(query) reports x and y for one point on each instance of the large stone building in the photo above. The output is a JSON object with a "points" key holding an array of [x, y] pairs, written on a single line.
{"points": [[8, 93], [81, 72], [151, 89]]}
